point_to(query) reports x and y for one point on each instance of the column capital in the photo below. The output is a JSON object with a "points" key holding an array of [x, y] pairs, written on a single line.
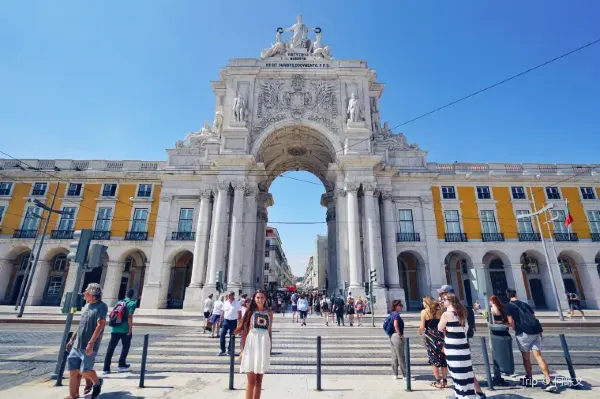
{"points": [[238, 185], [352, 187], [386, 195], [425, 200], [223, 185], [369, 187], [166, 197], [206, 193], [251, 191], [262, 215], [330, 215], [339, 192]]}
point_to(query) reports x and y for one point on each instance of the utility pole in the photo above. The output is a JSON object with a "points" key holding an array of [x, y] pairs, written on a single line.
{"points": [[29, 263], [373, 275], [50, 210], [79, 249]]}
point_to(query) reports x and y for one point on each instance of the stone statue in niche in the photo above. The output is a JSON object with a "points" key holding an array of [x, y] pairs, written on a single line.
{"points": [[239, 108], [218, 122], [299, 34], [375, 121], [277, 48], [318, 50], [354, 109]]}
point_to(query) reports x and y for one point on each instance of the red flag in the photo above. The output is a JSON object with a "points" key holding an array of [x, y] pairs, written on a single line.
{"points": [[568, 218]]}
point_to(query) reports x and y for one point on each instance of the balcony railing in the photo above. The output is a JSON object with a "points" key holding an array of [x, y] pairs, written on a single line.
{"points": [[183, 236], [456, 237], [596, 237], [405, 237], [101, 235], [61, 234], [566, 237], [38, 192], [136, 236], [489, 237], [530, 237], [5, 191], [25, 234]]}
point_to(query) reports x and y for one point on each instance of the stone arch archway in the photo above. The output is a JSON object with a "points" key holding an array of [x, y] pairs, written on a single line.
{"points": [[537, 279], [13, 273], [568, 262], [499, 273], [132, 263], [411, 269], [180, 277], [459, 274]]}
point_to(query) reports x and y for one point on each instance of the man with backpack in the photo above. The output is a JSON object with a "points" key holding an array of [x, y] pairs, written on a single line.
{"points": [[121, 325], [528, 333]]}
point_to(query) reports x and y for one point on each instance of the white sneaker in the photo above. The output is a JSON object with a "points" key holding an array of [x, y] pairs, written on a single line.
{"points": [[583, 318], [395, 377]]}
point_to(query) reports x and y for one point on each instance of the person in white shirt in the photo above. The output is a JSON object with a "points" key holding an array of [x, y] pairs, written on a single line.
{"points": [[208, 305], [303, 308], [215, 315], [232, 312]]}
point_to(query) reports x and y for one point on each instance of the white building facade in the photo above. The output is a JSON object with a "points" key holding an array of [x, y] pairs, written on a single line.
{"points": [[173, 225]]}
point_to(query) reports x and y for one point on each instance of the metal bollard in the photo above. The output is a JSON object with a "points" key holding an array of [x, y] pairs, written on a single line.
{"points": [[63, 363], [144, 357], [231, 360], [565, 347], [407, 363], [486, 361], [319, 363]]}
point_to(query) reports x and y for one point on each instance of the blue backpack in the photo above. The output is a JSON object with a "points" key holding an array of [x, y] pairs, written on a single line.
{"points": [[388, 325]]}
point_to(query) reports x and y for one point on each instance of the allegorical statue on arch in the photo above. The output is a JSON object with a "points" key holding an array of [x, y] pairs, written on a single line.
{"points": [[299, 43]]}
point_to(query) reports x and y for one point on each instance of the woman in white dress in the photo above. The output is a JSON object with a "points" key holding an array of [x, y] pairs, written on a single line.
{"points": [[256, 332]]}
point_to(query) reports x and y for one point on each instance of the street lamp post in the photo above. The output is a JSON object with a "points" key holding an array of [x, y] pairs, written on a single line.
{"points": [[50, 210], [29, 262], [537, 213]]}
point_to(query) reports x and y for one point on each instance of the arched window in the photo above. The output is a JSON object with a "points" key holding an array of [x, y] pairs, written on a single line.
{"points": [[128, 264], [564, 265], [530, 265], [24, 261], [463, 266], [60, 263]]}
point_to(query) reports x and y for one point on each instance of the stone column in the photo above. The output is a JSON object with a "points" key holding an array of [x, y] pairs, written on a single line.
{"points": [[429, 236], [38, 284], [517, 273], [248, 260], [481, 286], [354, 252], [155, 294], [259, 260], [341, 237], [194, 293], [374, 235], [332, 272], [588, 274], [112, 283], [6, 268], [234, 278], [70, 280], [218, 236], [392, 276]]}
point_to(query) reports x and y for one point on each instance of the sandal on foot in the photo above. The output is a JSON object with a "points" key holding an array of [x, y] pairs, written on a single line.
{"points": [[437, 384], [444, 383]]}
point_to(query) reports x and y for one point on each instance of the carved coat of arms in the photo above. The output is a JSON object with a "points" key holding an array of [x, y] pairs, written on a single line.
{"points": [[299, 98]]}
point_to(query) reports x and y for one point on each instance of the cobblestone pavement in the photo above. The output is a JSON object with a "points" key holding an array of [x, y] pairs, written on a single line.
{"points": [[29, 351]]}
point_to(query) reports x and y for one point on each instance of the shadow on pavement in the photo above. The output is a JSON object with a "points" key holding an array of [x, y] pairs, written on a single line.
{"points": [[120, 395]]}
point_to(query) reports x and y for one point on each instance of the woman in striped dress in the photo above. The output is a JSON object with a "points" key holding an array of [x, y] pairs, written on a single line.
{"points": [[456, 346]]}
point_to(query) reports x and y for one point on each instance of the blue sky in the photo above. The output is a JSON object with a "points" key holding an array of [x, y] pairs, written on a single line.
{"points": [[125, 80]]}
